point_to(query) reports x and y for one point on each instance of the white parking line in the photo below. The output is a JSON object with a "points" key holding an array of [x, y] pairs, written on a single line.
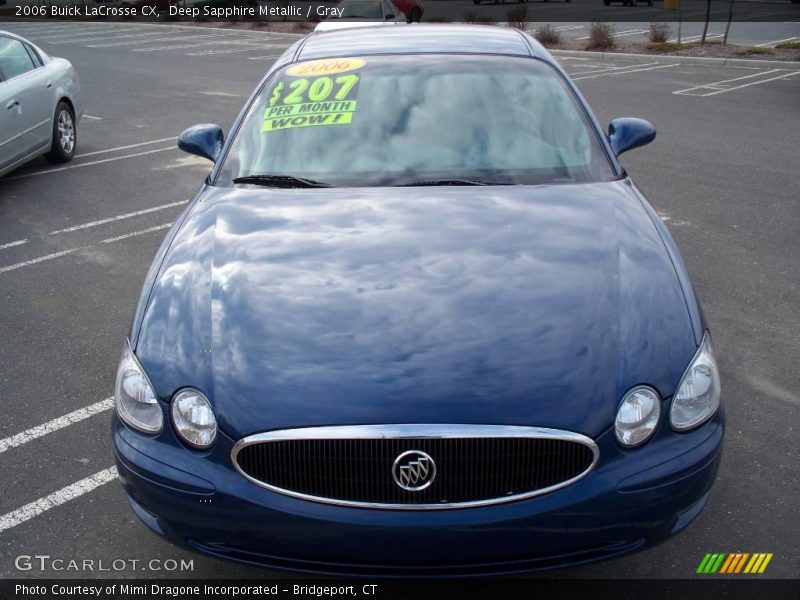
{"points": [[33, 261], [170, 38], [690, 38], [252, 48], [42, 505], [12, 244], [73, 33], [46, 257], [29, 25], [34, 30], [738, 87], [260, 57], [775, 42], [89, 164], [85, 34], [200, 42], [716, 85], [637, 32], [619, 33], [129, 146], [118, 217], [75, 416], [223, 94], [624, 72], [612, 69], [95, 38], [135, 233]]}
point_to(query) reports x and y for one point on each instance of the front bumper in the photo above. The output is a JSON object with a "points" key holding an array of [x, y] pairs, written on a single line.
{"points": [[631, 500]]}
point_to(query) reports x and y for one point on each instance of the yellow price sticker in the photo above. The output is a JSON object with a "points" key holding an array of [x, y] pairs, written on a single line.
{"points": [[326, 66]]}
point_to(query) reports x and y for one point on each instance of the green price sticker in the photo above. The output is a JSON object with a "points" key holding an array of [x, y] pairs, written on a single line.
{"points": [[310, 102]]}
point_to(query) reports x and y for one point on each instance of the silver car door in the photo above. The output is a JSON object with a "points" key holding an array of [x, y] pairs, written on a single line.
{"points": [[8, 126], [11, 144], [41, 100], [25, 103]]}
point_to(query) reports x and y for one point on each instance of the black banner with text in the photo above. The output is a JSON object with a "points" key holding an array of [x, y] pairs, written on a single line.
{"points": [[474, 11], [367, 589]]}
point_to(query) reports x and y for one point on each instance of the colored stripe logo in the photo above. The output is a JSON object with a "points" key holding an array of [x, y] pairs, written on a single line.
{"points": [[737, 562]]}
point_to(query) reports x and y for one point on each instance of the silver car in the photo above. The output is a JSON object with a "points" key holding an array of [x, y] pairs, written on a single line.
{"points": [[39, 104]]}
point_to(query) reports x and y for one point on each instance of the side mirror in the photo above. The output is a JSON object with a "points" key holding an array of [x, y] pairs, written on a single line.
{"points": [[203, 140], [628, 133]]}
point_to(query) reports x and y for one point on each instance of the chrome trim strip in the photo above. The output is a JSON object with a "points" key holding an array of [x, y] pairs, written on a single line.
{"points": [[405, 431]]}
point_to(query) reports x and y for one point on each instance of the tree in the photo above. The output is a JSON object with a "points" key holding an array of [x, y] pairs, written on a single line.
{"points": [[708, 17], [728, 24]]}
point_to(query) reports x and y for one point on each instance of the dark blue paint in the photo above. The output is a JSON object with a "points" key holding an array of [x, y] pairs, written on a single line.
{"points": [[627, 133], [618, 508], [203, 140], [345, 306], [502, 305]]}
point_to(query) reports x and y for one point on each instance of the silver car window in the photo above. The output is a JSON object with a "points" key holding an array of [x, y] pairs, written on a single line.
{"points": [[14, 58], [37, 60]]}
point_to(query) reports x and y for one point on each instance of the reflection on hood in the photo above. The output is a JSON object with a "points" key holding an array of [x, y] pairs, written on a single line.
{"points": [[505, 305]]}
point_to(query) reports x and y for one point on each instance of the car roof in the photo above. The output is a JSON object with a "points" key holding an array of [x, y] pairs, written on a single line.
{"points": [[14, 36], [414, 39]]}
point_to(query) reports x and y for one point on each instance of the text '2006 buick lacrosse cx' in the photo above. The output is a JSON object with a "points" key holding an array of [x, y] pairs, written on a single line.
{"points": [[417, 321]]}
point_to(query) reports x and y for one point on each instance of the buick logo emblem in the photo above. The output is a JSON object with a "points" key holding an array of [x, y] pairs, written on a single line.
{"points": [[414, 470]]}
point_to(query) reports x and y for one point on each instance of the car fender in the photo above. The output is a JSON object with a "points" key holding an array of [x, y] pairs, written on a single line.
{"points": [[692, 303], [65, 85]]}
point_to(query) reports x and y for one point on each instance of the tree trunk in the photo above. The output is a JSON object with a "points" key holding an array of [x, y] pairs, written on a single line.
{"points": [[728, 24], [705, 27]]}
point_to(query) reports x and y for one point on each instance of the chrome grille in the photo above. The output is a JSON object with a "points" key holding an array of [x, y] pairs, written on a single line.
{"points": [[474, 464]]}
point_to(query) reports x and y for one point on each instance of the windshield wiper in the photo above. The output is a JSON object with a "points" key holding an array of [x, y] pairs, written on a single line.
{"points": [[449, 182], [281, 181]]}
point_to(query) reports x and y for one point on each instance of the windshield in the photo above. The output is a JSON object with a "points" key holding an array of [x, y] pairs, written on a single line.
{"points": [[407, 120]]}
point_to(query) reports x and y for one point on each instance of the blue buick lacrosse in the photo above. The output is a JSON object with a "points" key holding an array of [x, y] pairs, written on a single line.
{"points": [[417, 321]]}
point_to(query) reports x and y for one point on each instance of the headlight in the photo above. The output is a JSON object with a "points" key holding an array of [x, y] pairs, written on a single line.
{"points": [[698, 394], [194, 418], [134, 399], [637, 416]]}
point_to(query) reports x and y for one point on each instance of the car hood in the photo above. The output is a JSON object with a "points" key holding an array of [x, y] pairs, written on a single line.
{"points": [[515, 305]]}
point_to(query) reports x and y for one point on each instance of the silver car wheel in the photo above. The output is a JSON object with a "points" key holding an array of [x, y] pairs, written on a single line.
{"points": [[66, 131]]}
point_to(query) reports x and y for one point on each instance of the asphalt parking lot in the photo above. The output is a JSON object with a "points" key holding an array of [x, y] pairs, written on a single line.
{"points": [[76, 241], [755, 22], [766, 35]]}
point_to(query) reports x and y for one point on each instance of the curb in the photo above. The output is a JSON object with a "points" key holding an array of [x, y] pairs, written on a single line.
{"points": [[684, 60]]}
